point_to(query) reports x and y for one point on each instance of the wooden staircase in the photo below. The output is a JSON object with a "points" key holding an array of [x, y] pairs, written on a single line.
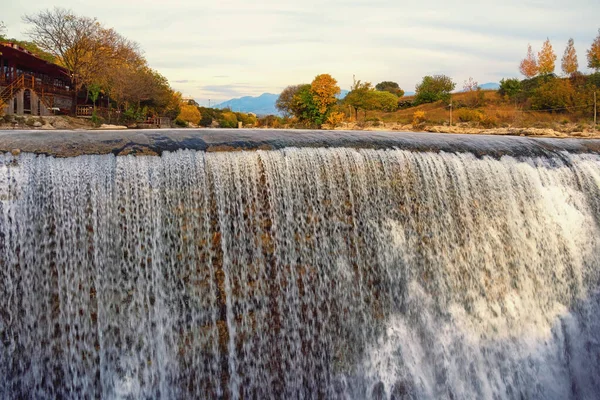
{"points": [[26, 82], [11, 90]]}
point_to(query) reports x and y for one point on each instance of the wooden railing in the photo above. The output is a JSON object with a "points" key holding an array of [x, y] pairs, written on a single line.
{"points": [[10, 91], [84, 111], [45, 92], [26, 81]]}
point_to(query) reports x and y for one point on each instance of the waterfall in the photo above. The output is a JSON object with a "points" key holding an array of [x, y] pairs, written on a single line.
{"points": [[300, 273]]}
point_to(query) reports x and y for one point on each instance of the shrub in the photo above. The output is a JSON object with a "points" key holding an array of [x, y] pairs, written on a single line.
{"points": [[489, 121], [246, 119], [96, 120], [335, 118], [594, 79], [228, 120], [419, 118], [466, 115], [206, 120], [555, 94], [404, 103], [180, 123], [509, 87], [270, 121], [374, 121], [134, 114]]}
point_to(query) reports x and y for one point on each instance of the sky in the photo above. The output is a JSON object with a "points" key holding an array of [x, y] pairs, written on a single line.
{"points": [[220, 50]]}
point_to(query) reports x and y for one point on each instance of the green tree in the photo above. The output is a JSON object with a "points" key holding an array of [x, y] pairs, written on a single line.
{"points": [[2, 29], [308, 110], [287, 102], [593, 54], [94, 91], [509, 87], [381, 101], [357, 98], [389, 86], [364, 97], [434, 88], [310, 103]]}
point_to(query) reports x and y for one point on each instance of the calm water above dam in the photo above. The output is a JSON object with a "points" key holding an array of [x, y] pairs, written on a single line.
{"points": [[300, 273]]}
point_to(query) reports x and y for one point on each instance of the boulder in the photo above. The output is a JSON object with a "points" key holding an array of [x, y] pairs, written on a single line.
{"points": [[60, 123], [110, 127]]}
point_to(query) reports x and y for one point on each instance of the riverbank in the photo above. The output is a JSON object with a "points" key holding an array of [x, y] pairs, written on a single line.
{"points": [[51, 123], [54, 123], [565, 131]]}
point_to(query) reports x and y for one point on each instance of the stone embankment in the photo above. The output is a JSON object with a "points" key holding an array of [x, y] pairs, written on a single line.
{"points": [[60, 122], [569, 131], [514, 131], [57, 122]]}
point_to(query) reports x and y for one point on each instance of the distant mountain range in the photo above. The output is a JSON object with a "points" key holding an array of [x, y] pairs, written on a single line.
{"points": [[260, 105], [490, 86], [265, 103]]}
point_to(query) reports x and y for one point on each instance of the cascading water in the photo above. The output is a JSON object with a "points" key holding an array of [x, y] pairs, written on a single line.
{"points": [[300, 273]]}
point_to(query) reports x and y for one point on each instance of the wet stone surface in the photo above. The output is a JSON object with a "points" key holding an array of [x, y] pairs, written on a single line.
{"points": [[155, 142]]}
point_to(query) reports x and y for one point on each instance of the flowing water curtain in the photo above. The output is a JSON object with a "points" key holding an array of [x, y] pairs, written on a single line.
{"points": [[299, 273]]}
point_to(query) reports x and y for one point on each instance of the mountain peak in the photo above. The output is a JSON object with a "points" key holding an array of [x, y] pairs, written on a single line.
{"points": [[259, 105]]}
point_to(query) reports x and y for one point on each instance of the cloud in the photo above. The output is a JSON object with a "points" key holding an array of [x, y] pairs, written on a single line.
{"points": [[232, 90], [204, 48]]}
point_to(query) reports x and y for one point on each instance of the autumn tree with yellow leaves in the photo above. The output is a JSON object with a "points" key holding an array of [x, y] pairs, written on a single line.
{"points": [[546, 59], [529, 65], [569, 62], [324, 89], [190, 114], [593, 54], [100, 57], [311, 104], [72, 39]]}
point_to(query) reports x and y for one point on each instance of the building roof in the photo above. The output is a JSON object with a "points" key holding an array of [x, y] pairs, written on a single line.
{"points": [[28, 61]]}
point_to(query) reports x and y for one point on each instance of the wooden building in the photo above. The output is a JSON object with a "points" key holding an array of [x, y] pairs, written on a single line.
{"points": [[31, 85]]}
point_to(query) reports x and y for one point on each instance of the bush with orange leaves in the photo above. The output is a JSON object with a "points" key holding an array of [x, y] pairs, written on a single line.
{"points": [[419, 118], [335, 118]]}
